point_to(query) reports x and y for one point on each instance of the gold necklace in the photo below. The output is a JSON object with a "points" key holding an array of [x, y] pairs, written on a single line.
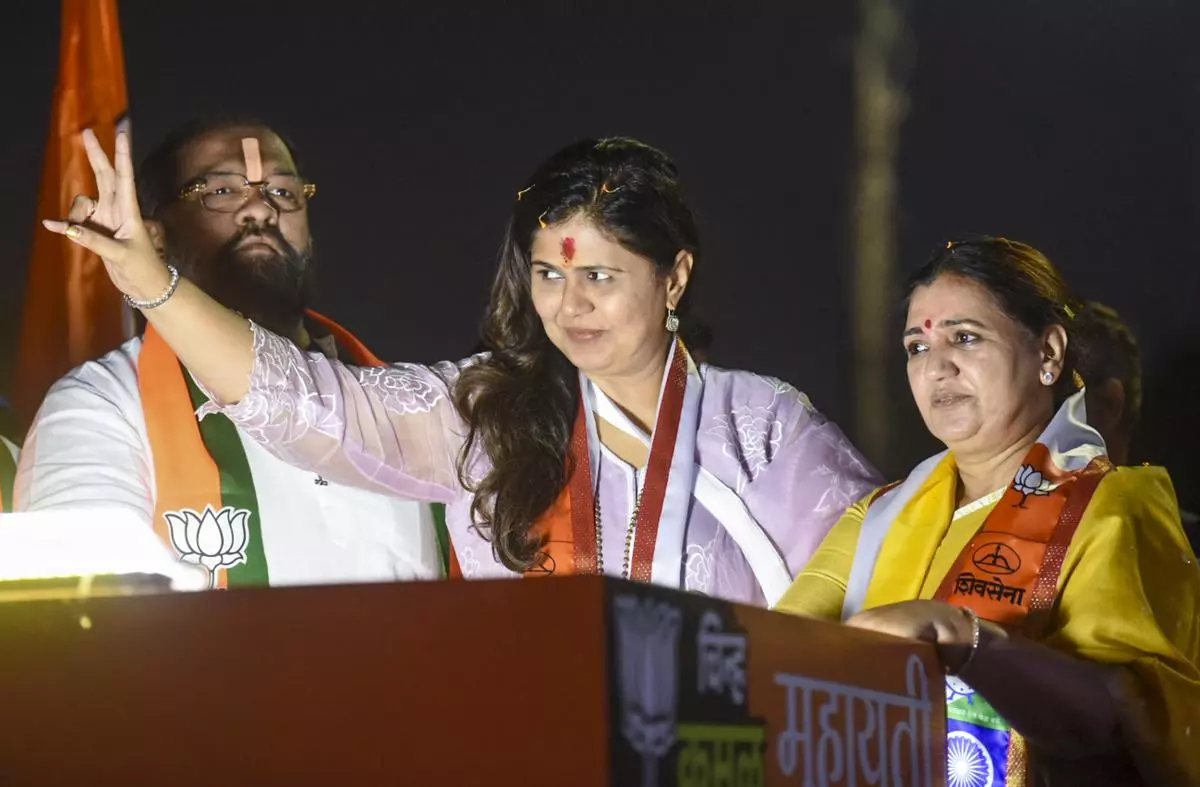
{"points": [[630, 532]]}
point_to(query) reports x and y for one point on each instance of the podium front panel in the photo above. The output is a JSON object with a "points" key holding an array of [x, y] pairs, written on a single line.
{"points": [[577, 681], [436, 683]]}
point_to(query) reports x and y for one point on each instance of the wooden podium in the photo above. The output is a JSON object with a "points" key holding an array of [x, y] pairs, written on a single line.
{"points": [[576, 681]]}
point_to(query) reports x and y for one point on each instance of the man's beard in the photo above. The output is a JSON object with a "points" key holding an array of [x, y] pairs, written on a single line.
{"points": [[271, 289]]}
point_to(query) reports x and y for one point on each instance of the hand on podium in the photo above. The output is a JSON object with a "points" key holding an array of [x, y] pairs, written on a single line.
{"points": [[952, 630]]}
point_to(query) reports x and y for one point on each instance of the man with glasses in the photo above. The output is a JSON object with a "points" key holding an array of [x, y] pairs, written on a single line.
{"points": [[227, 207]]}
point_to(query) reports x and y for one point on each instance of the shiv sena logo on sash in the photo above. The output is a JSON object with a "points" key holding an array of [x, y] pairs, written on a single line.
{"points": [[1009, 571]]}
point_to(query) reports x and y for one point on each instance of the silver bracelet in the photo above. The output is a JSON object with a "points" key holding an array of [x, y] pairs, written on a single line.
{"points": [[160, 300], [975, 627]]}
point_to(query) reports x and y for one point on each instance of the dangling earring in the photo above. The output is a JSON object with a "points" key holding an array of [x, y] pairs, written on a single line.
{"points": [[1048, 377], [672, 320]]}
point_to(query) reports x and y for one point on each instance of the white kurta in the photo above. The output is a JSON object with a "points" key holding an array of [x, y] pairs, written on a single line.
{"points": [[88, 447]]}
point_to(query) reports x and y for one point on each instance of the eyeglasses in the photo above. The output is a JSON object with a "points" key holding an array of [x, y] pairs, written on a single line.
{"points": [[228, 193]]}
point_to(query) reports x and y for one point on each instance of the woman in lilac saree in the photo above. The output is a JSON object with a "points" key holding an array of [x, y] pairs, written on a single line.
{"points": [[587, 440]]}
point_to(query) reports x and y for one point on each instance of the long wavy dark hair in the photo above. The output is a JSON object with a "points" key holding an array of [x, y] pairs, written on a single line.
{"points": [[1025, 285], [521, 401]]}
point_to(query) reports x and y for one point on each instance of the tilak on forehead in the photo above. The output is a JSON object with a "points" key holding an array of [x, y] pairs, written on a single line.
{"points": [[253, 157], [568, 250]]}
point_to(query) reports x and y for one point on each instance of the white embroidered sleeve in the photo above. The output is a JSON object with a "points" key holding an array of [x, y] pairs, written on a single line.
{"points": [[393, 429]]}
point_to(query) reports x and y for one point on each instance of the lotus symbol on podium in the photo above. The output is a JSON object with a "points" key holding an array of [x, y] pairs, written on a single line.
{"points": [[214, 539], [647, 647]]}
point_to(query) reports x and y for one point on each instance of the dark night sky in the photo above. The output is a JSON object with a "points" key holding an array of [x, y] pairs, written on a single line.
{"points": [[1072, 125]]}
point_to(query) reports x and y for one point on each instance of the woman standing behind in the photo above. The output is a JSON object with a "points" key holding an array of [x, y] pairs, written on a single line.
{"points": [[588, 441], [1060, 592]]}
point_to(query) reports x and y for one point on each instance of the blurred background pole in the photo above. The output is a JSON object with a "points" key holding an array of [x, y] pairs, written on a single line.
{"points": [[881, 56]]}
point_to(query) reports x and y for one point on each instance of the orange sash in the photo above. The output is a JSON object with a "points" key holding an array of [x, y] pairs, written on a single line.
{"points": [[569, 525], [1009, 571], [357, 350], [186, 477]]}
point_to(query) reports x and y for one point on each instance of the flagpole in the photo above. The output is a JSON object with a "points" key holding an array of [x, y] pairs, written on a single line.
{"points": [[880, 104]]}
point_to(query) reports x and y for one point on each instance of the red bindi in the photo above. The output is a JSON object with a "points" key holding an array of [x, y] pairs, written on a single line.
{"points": [[568, 249], [928, 324]]}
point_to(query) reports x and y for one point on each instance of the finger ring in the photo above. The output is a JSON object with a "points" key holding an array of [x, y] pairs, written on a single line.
{"points": [[73, 232]]}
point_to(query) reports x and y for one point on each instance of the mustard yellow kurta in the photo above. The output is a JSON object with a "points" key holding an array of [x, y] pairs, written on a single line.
{"points": [[1128, 595]]}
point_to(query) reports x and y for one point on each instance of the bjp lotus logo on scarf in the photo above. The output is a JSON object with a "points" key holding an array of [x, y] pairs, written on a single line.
{"points": [[214, 539], [1030, 482]]}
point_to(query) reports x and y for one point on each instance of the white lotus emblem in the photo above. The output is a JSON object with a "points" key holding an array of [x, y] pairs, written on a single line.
{"points": [[1030, 482], [214, 539], [647, 634]]}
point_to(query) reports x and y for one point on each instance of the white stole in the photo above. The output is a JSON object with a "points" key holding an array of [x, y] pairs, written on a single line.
{"points": [[688, 480]]}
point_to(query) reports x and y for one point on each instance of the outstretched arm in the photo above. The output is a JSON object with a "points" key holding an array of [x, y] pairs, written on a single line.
{"points": [[211, 340], [391, 429]]}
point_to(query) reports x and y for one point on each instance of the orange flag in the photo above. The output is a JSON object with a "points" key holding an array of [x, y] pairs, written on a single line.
{"points": [[72, 311]]}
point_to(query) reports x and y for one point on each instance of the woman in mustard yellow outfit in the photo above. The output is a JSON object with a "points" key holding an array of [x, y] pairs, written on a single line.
{"points": [[1060, 592]]}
